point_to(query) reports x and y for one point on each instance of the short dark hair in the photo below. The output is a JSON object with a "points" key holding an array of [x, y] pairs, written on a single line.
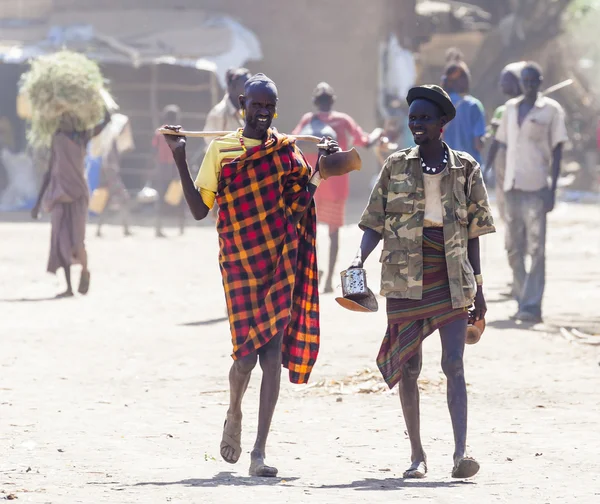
{"points": [[236, 73], [257, 79], [533, 66], [171, 110], [454, 54], [457, 67]]}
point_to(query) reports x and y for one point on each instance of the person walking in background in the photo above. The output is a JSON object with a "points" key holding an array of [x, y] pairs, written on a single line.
{"points": [[533, 130], [65, 195], [114, 140], [467, 131], [333, 193], [226, 115], [510, 85], [165, 172]]}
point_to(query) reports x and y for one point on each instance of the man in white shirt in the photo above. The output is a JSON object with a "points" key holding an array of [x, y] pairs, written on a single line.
{"points": [[225, 115], [533, 130]]}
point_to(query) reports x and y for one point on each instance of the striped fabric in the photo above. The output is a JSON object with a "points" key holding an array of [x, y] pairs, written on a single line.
{"points": [[268, 263], [411, 321]]}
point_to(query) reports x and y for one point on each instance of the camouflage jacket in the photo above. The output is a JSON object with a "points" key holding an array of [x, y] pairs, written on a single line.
{"points": [[396, 210]]}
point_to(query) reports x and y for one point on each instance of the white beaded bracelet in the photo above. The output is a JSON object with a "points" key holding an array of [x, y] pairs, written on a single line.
{"points": [[316, 179]]}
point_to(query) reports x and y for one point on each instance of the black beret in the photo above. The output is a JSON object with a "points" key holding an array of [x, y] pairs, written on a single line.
{"points": [[433, 94]]}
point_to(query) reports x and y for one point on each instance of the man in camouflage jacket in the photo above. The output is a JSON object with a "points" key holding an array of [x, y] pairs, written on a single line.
{"points": [[396, 211]]}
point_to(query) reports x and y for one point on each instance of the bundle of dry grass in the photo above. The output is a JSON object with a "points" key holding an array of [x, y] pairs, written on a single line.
{"points": [[62, 85]]}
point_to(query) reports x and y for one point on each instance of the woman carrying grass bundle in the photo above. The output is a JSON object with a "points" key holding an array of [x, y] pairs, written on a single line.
{"points": [[65, 195], [68, 109]]}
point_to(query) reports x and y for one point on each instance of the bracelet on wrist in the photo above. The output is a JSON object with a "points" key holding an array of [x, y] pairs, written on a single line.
{"points": [[316, 179]]}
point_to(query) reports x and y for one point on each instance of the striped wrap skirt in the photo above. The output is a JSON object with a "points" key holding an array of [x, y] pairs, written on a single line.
{"points": [[410, 321]]}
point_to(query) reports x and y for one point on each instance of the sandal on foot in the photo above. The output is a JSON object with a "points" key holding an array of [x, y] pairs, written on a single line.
{"points": [[466, 467], [231, 441], [418, 472], [84, 282]]}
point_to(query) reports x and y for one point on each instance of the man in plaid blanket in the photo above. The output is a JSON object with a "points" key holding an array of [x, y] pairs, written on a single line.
{"points": [[267, 228]]}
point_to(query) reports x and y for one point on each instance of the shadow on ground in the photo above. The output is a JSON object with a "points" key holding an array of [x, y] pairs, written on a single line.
{"points": [[510, 324], [374, 484], [369, 484], [205, 322], [32, 300], [223, 479]]}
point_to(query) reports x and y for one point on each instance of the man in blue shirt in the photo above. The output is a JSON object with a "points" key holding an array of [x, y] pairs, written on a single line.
{"points": [[467, 130]]}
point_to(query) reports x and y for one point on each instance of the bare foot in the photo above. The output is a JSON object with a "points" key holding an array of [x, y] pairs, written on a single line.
{"points": [[127, 232], [231, 447], [68, 293], [465, 467], [259, 468], [160, 234], [417, 470], [328, 289]]}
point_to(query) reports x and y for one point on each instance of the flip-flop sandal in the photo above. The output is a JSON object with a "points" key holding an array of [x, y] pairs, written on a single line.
{"points": [[467, 467], [84, 283], [231, 442], [416, 473]]}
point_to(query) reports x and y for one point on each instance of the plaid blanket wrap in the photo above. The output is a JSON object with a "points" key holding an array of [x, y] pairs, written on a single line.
{"points": [[268, 263]]}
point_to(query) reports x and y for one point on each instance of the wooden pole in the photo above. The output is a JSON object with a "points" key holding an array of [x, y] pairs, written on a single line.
{"points": [[215, 134]]}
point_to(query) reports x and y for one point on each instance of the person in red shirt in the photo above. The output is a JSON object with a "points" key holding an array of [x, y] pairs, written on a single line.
{"points": [[165, 171], [331, 197]]}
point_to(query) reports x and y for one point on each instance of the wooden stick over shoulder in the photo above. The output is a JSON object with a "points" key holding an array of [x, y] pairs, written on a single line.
{"points": [[216, 134]]}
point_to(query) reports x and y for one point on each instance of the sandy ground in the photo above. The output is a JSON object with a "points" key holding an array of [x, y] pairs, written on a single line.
{"points": [[120, 396]]}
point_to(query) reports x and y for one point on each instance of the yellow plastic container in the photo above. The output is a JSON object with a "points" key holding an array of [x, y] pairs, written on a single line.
{"points": [[99, 200], [174, 193]]}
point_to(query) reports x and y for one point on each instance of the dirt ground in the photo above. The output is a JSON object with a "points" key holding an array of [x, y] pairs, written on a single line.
{"points": [[120, 396]]}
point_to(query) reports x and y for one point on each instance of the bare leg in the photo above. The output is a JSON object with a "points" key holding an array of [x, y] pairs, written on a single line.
{"points": [[160, 205], [181, 211], [84, 281], [334, 239], [409, 398], [67, 269], [101, 219], [270, 362], [239, 376], [453, 338], [125, 217]]}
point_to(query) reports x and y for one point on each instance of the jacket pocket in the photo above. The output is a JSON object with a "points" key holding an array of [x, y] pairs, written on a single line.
{"points": [[401, 196], [394, 271]]}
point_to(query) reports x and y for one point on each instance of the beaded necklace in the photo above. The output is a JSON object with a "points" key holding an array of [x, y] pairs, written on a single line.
{"points": [[241, 138], [434, 170]]}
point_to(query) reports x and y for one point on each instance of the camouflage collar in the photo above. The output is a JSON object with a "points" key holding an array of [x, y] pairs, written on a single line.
{"points": [[454, 160]]}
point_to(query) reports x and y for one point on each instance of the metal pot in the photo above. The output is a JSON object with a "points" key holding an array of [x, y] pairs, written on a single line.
{"points": [[354, 282]]}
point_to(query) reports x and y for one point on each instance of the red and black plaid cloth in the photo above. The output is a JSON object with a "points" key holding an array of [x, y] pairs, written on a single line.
{"points": [[268, 263]]}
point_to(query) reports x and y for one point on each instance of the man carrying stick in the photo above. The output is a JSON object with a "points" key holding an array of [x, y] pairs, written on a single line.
{"points": [[267, 228]]}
